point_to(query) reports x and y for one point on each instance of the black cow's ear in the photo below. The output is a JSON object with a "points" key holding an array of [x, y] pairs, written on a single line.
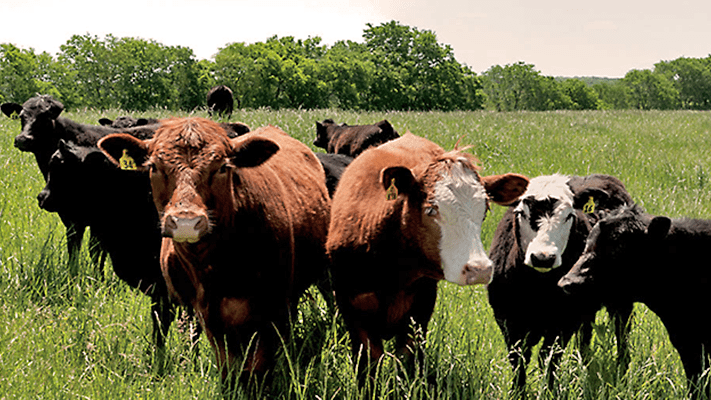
{"points": [[236, 129], [252, 151], [105, 122], [396, 180], [125, 151], [12, 110], [659, 227], [51, 107]]}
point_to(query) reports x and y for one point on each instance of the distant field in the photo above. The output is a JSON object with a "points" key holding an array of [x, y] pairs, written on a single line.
{"points": [[88, 336]]}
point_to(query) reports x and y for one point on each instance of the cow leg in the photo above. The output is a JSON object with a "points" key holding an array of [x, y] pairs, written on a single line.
{"points": [[411, 336], [367, 348], [518, 341], [97, 253], [621, 316], [162, 315], [551, 354], [74, 233]]}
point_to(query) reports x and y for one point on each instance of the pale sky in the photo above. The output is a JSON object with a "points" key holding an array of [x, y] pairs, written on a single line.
{"points": [[604, 38]]}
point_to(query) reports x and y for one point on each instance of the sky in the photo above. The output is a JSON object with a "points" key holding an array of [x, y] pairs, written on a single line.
{"points": [[605, 38]]}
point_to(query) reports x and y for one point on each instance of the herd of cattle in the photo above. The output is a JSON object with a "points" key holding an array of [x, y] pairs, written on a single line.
{"points": [[375, 223]]}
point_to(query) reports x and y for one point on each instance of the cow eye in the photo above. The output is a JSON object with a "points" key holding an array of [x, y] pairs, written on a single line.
{"points": [[223, 169], [431, 211], [569, 217]]}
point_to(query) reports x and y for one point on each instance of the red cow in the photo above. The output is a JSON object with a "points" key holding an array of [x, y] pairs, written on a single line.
{"points": [[404, 216], [245, 222]]}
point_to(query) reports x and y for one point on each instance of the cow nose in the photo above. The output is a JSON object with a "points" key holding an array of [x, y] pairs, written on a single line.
{"points": [[183, 229], [542, 262], [44, 201], [480, 273]]}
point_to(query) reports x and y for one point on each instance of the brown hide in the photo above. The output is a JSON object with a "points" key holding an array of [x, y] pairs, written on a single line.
{"points": [[267, 229], [385, 272]]}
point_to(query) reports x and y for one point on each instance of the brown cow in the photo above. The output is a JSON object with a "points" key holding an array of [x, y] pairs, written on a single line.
{"points": [[245, 224], [404, 216]]}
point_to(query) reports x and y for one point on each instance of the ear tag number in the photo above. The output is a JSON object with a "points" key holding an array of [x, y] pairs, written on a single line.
{"points": [[589, 207], [391, 193], [126, 162]]}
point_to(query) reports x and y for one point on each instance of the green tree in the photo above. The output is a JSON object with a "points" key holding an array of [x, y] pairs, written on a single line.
{"points": [[582, 96], [23, 74], [347, 71], [415, 72], [651, 91], [513, 87], [691, 77], [613, 95]]}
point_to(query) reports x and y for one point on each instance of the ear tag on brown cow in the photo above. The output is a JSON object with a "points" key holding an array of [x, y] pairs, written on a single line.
{"points": [[391, 193], [126, 162], [589, 207]]}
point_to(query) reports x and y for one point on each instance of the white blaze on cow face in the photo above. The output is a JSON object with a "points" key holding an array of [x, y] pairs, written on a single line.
{"points": [[544, 218], [461, 201]]}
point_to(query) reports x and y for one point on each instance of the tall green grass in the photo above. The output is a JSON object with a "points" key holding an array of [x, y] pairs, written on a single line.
{"points": [[87, 335]]}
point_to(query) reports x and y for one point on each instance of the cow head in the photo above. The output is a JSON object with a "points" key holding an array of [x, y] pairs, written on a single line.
{"points": [[37, 116], [616, 244], [70, 168], [449, 201], [124, 122], [323, 133], [193, 167]]}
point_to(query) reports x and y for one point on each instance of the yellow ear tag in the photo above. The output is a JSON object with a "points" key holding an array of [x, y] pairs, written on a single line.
{"points": [[126, 162], [589, 207], [391, 193]]}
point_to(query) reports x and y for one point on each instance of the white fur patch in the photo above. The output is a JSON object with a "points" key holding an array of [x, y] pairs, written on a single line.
{"points": [[462, 202], [545, 238]]}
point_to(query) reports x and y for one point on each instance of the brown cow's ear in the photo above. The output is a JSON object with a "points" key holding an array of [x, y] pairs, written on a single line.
{"points": [[125, 150], [505, 189], [396, 180], [252, 152]]}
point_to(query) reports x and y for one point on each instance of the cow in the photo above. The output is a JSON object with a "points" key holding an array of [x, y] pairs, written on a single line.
{"points": [[536, 242], [118, 207], [42, 128], [406, 215], [352, 140], [244, 222], [333, 166], [220, 101], [661, 262], [127, 122]]}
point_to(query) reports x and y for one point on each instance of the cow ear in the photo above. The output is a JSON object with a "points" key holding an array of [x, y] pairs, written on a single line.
{"points": [[51, 107], [12, 110], [236, 129], [105, 122], [504, 189], [252, 152], [582, 197], [123, 145], [659, 227], [396, 180]]}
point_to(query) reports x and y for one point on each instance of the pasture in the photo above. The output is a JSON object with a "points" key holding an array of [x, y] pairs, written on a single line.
{"points": [[87, 336]]}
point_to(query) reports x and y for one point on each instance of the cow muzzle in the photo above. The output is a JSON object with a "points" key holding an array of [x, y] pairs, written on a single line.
{"points": [[185, 229], [480, 273]]}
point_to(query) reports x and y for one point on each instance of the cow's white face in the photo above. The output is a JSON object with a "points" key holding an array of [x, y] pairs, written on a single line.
{"points": [[461, 201], [544, 218]]}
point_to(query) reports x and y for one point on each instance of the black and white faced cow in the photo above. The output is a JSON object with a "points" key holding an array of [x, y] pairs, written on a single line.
{"points": [[658, 261], [539, 238]]}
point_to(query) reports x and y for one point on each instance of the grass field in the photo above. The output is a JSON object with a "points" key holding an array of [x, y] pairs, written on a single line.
{"points": [[88, 336]]}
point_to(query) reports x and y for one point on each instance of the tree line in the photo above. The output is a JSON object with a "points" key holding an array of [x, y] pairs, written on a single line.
{"points": [[397, 67]]}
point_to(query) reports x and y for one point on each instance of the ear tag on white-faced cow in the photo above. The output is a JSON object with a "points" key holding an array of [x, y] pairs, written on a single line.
{"points": [[391, 193], [126, 162], [589, 207]]}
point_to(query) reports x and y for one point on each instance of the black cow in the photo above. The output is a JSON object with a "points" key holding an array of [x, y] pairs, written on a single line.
{"points": [[536, 242], [42, 128], [127, 122], [658, 261], [220, 101], [352, 140], [333, 166], [118, 207]]}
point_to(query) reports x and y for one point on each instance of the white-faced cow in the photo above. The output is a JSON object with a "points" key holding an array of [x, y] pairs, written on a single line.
{"points": [[539, 238], [352, 140], [220, 101], [245, 224], [405, 215], [661, 262]]}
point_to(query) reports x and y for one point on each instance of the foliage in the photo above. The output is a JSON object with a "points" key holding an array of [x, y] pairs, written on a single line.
{"points": [[397, 67]]}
